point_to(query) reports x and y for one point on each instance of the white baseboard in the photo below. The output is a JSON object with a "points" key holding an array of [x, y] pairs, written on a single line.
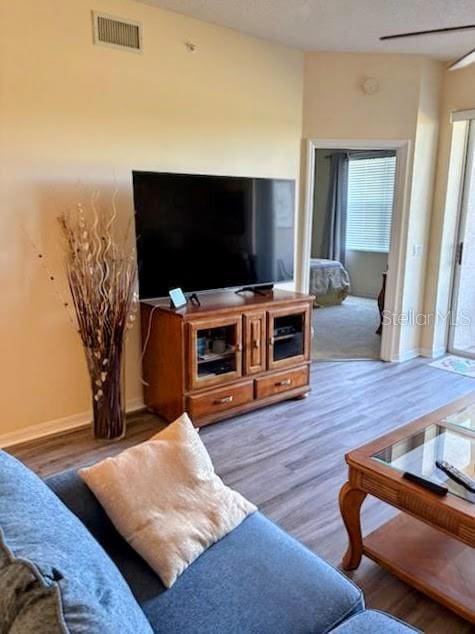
{"points": [[57, 426], [364, 295], [407, 355], [433, 353]]}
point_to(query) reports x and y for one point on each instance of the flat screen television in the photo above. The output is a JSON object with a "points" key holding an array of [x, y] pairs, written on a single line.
{"points": [[212, 232]]}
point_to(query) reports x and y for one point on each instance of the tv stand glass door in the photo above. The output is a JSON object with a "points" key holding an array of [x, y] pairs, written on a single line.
{"points": [[215, 351], [288, 340]]}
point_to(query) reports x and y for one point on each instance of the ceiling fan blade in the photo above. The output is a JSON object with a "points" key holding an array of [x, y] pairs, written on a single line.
{"points": [[448, 29], [465, 60]]}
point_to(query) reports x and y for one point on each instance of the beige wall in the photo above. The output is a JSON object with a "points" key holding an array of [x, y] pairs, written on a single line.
{"points": [[335, 107], [458, 93], [366, 269], [406, 107], [70, 110], [420, 203]]}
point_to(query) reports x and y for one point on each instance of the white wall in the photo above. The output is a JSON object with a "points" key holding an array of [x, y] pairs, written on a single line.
{"points": [[365, 270]]}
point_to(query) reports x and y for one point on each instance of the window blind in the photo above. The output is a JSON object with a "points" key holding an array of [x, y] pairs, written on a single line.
{"points": [[370, 203]]}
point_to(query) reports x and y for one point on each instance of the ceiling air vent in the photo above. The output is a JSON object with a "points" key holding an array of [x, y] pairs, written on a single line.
{"points": [[115, 32]]}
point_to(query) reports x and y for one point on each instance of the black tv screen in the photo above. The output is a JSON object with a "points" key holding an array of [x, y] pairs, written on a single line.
{"points": [[212, 232]]}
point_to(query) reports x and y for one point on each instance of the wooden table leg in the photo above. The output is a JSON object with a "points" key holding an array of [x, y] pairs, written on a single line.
{"points": [[351, 500]]}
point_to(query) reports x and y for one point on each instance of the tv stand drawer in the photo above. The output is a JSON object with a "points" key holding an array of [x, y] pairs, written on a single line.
{"points": [[220, 399], [281, 382]]}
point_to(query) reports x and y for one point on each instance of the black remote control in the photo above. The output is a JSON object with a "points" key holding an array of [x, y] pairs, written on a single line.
{"points": [[438, 489], [456, 475]]}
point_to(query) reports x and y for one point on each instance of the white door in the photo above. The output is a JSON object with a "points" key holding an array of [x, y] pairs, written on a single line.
{"points": [[462, 323]]}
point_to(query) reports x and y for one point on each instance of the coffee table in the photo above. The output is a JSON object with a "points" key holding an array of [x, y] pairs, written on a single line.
{"points": [[430, 544]]}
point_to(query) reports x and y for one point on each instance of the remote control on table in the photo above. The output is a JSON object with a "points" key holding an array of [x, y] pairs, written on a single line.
{"points": [[438, 489], [456, 475]]}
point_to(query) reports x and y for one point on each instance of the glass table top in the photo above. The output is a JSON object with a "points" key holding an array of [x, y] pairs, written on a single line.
{"points": [[419, 452], [464, 418]]}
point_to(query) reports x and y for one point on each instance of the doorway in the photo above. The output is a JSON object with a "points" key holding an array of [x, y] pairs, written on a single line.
{"points": [[352, 215], [462, 323]]}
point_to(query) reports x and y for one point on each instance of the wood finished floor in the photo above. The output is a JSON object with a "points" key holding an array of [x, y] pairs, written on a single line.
{"points": [[289, 460]]}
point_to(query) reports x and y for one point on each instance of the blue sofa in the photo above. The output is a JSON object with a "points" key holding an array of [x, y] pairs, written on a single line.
{"points": [[256, 580]]}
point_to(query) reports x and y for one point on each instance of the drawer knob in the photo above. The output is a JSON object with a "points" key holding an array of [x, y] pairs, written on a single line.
{"points": [[283, 382], [222, 401], [256, 344]]}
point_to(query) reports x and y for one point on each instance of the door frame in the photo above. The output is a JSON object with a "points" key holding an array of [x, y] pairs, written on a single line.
{"points": [[467, 165], [390, 338]]}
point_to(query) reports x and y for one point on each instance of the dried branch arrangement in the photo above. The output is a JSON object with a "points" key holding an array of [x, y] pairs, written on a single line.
{"points": [[101, 270]]}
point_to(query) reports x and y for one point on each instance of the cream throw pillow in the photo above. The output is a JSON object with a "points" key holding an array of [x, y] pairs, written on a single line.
{"points": [[166, 500]]}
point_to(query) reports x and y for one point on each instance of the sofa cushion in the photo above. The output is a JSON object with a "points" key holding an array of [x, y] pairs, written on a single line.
{"points": [[257, 579], [371, 621], [58, 567], [164, 497]]}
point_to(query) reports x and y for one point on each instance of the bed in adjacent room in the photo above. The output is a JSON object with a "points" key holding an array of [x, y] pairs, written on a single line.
{"points": [[329, 282]]}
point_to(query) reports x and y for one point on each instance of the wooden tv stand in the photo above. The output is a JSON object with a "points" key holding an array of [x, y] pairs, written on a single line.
{"points": [[230, 355]]}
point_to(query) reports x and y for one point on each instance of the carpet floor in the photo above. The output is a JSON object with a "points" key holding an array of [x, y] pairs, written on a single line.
{"points": [[347, 331]]}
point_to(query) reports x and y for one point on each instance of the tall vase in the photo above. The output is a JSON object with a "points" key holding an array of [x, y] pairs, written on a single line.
{"points": [[109, 420]]}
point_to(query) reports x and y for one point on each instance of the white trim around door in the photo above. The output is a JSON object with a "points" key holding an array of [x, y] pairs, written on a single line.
{"points": [[458, 278], [399, 229]]}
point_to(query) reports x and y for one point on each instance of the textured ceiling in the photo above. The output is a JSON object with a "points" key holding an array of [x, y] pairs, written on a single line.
{"points": [[341, 25]]}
